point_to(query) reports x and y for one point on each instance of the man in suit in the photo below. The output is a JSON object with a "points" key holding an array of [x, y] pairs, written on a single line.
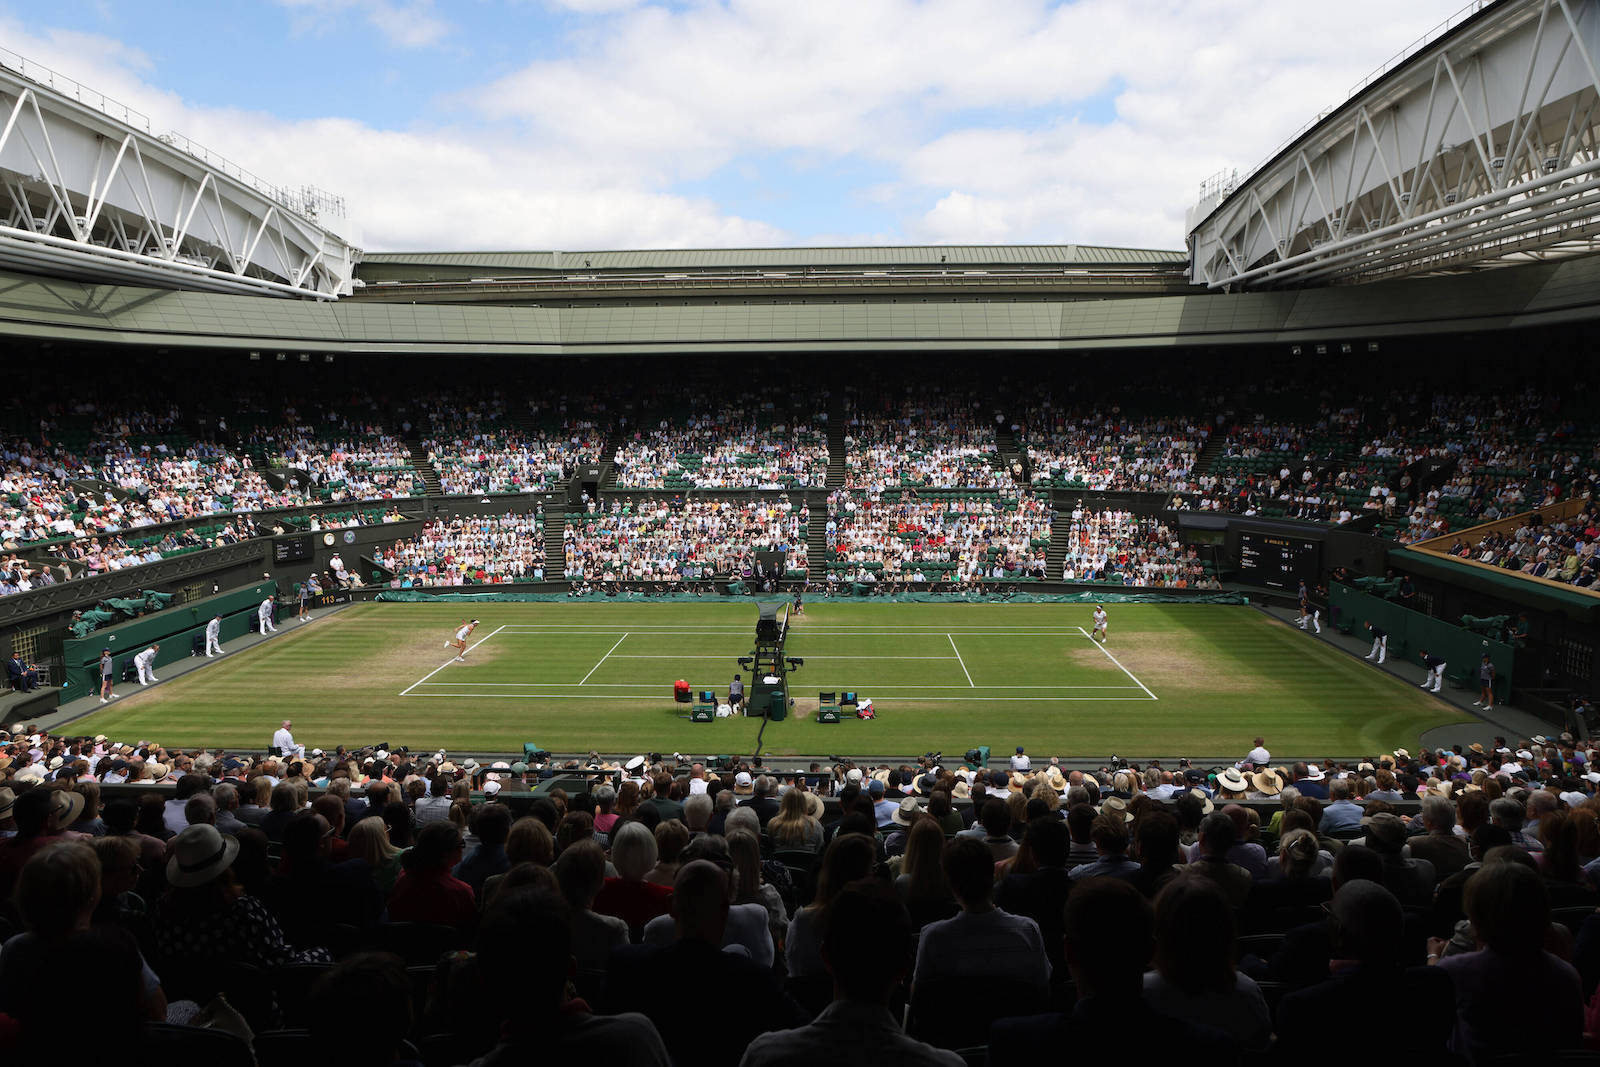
{"points": [[764, 803], [21, 675]]}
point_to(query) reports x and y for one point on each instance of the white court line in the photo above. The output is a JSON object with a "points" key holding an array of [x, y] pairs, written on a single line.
{"points": [[603, 658], [668, 698], [667, 685], [1114, 659], [512, 629], [447, 662], [959, 660], [808, 656]]}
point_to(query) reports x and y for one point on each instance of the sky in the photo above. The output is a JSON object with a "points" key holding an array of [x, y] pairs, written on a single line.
{"points": [[596, 124]]}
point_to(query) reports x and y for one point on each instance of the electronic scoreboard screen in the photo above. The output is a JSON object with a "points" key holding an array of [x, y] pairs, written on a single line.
{"points": [[291, 549], [1277, 561]]}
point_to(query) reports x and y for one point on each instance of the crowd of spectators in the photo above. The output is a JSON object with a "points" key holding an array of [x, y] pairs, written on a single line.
{"points": [[657, 540], [899, 537], [924, 439], [1561, 550], [1119, 547], [1100, 449], [1226, 912], [755, 441], [478, 446], [468, 550]]}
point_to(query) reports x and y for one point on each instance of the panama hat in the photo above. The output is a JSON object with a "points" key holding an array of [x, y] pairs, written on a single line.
{"points": [[199, 854], [961, 791], [1017, 782], [881, 775], [814, 806], [1314, 773], [1055, 779], [7, 798], [923, 785], [1116, 806], [66, 807], [1231, 780], [903, 815], [1266, 782], [1206, 806]]}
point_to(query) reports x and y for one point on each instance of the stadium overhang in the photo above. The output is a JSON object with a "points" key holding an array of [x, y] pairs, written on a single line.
{"points": [[1534, 295], [1480, 148]]}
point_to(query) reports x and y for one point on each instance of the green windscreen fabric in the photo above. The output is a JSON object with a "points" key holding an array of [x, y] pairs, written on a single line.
{"points": [[1411, 631]]}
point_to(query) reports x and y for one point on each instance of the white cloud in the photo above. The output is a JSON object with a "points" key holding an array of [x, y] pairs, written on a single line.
{"points": [[1018, 121], [408, 24]]}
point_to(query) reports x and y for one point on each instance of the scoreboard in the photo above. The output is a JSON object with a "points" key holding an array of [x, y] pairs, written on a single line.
{"points": [[291, 549], [1277, 561]]}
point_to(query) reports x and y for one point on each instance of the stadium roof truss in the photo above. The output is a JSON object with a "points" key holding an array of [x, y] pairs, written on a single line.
{"points": [[86, 191], [1480, 149]]}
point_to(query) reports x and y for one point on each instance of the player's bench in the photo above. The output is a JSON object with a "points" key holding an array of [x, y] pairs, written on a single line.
{"points": [[23, 707]]}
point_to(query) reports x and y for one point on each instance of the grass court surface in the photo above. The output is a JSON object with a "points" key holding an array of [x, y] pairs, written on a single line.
{"points": [[1197, 679]]}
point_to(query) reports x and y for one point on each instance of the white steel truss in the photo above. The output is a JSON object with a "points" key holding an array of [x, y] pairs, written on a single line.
{"points": [[1481, 149], [86, 193]]}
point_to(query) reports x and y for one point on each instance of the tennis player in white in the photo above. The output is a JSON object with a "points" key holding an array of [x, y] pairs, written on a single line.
{"points": [[264, 613], [459, 642], [1100, 622]]}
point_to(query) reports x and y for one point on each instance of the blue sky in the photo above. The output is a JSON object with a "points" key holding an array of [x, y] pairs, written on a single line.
{"points": [[623, 123]]}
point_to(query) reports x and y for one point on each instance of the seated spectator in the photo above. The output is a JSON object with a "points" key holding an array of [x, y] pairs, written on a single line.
{"points": [[369, 841], [868, 949], [1409, 879], [1159, 854], [750, 887], [1368, 930], [426, 891], [205, 915], [1108, 940], [982, 940], [794, 827], [1110, 835], [36, 814], [1342, 813], [581, 871], [491, 824], [921, 883], [746, 932], [525, 950], [1040, 894], [1440, 845], [529, 841], [671, 837], [669, 983], [1510, 913], [1195, 978], [372, 987], [310, 893], [628, 896], [1218, 835], [850, 858], [56, 896]]}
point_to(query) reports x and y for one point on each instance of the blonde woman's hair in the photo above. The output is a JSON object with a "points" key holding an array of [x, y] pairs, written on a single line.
{"points": [[369, 840]]}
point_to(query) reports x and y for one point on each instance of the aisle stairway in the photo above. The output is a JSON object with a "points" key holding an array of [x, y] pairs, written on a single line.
{"points": [[555, 560], [1060, 525], [419, 460], [835, 443], [817, 536], [1208, 454], [1012, 455]]}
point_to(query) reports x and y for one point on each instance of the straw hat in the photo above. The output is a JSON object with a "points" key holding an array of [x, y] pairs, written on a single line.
{"points": [[1231, 780], [66, 807], [907, 810], [1116, 806], [199, 854], [1018, 782], [1055, 779], [961, 791], [7, 798], [1267, 783], [814, 805], [881, 775], [1206, 806]]}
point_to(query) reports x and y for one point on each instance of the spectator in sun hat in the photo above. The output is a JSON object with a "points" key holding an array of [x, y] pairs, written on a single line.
{"points": [[1310, 781]]}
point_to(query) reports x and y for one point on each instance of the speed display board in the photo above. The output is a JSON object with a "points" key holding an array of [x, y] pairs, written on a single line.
{"points": [[1277, 561]]}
